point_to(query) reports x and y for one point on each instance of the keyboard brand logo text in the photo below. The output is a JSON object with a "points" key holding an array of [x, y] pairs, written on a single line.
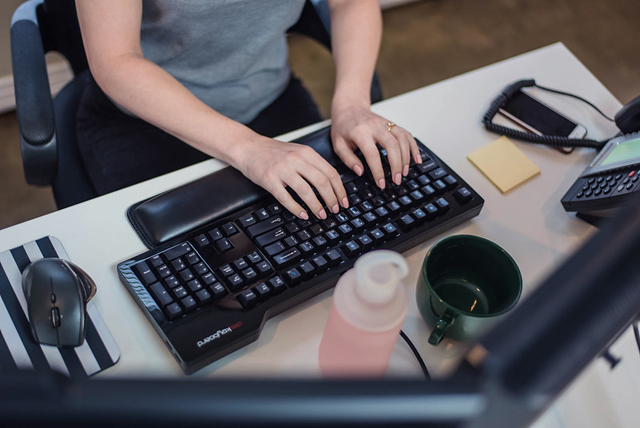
{"points": [[219, 334]]}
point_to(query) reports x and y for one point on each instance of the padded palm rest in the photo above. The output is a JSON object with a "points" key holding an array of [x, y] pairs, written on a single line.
{"points": [[192, 205]]}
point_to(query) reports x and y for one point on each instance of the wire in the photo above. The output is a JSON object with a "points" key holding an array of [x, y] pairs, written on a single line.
{"points": [[578, 98], [417, 354]]}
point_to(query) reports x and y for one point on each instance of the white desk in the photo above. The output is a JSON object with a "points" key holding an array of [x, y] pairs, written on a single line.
{"points": [[528, 222]]}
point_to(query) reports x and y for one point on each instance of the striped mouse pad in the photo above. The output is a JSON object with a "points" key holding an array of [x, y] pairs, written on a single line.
{"points": [[18, 349]]}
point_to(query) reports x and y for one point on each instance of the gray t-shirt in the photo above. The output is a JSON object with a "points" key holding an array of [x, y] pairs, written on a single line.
{"points": [[231, 54]]}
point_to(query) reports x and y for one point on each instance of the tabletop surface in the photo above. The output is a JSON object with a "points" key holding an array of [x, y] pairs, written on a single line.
{"points": [[528, 221]]}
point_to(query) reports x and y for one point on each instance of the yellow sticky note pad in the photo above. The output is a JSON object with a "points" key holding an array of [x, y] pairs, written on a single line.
{"points": [[504, 164]]}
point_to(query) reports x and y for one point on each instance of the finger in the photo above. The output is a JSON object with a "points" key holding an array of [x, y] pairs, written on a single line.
{"points": [[372, 156], [394, 154], [338, 190], [302, 188], [281, 194], [348, 157], [415, 150], [405, 150], [322, 184]]}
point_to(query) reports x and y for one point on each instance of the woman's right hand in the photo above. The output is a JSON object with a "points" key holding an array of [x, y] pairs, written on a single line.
{"points": [[276, 165]]}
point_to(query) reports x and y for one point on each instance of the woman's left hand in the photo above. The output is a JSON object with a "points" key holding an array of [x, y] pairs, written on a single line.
{"points": [[357, 127]]}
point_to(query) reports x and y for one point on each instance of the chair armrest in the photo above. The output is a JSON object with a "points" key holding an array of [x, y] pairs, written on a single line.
{"points": [[34, 104]]}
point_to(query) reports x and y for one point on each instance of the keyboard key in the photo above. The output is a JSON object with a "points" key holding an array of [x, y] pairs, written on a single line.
{"points": [[439, 185], [160, 294], [164, 271], [320, 262], [351, 249], [235, 282], [203, 296], [293, 277], [286, 258], [218, 290], [194, 285], [189, 303], [274, 249], [249, 274], [370, 218], [263, 268], [173, 311], [320, 242], [156, 261], [333, 257], [208, 278], [437, 174], [431, 210], [275, 209], [192, 258], [171, 282], [377, 235], [240, 264], [226, 270], [215, 234], [264, 226], [381, 212], [247, 220], [390, 230], [178, 264], [144, 273], [307, 269], [262, 290], [186, 275], [332, 236], [304, 235], [223, 245], [180, 292], [262, 214], [428, 190], [177, 251], [442, 204], [271, 237], [345, 229], [277, 284], [306, 247], [462, 195], [200, 268], [228, 229], [291, 241], [450, 181], [254, 258], [365, 241]]}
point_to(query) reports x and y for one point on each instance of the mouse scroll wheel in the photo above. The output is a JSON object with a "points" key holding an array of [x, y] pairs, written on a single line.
{"points": [[55, 317]]}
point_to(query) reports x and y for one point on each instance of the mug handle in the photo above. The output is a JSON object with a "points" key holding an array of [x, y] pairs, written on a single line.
{"points": [[437, 334]]}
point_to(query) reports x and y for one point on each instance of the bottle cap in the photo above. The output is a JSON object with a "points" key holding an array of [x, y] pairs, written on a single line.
{"points": [[378, 274]]}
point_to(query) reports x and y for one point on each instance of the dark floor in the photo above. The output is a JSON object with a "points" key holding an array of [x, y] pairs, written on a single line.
{"points": [[425, 42]]}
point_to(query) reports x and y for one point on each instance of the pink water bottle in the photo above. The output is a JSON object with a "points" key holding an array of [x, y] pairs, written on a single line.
{"points": [[370, 303]]}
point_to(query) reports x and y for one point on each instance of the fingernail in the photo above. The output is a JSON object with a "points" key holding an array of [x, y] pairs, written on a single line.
{"points": [[335, 209], [358, 170], [398, 179], [382, 183], [345, 202], [322, 214], [303, 215], [418, 159], [405, 170]]}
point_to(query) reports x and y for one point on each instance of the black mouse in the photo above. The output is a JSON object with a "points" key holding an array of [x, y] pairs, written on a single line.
{"points": [[57, 292]]}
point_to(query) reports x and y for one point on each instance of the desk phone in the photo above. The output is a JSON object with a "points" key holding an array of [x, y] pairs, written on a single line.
{"points": [[608, 181]]}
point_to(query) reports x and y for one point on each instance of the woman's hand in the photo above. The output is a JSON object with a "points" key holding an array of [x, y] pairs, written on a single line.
{"points": [[276, 165], [356, 127]]}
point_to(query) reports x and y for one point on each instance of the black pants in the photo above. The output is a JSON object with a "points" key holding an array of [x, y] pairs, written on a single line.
{"points": [[120, 150]]}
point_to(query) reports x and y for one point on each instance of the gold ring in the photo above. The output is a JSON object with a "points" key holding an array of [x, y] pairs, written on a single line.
{"points": [[390, 125]]}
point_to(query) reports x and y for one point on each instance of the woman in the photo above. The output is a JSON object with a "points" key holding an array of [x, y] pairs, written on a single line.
{"points": [[213, 75]]}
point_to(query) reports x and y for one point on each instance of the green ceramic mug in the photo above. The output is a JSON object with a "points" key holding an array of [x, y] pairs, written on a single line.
{"points": [[465, 285]]}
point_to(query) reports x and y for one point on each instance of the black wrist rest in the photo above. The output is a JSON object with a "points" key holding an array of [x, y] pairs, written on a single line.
{"points": [[192, 205]]}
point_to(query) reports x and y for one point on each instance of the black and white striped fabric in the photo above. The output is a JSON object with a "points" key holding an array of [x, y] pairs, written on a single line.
{"points": [[18, 349]]}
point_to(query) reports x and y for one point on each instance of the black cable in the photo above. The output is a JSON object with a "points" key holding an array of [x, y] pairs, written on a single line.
{"points": [[578, 98], [417, 354], [550, 140]]}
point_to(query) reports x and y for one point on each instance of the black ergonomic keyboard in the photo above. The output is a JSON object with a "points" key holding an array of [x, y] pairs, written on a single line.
{"points": [[210, 291]]}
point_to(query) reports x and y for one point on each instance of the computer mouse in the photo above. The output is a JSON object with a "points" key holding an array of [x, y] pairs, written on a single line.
{"points": [[628, 118], [57, 292]]}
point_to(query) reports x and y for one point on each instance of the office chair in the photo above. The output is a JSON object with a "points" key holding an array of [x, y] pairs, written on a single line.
{"points": [[47, 124]]}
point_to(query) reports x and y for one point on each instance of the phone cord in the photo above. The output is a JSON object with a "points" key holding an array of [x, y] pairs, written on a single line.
{"points": [[550, 140]]}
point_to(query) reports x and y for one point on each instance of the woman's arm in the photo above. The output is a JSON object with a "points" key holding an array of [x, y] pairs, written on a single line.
{"points": [[111, 35], [356, 31]]}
